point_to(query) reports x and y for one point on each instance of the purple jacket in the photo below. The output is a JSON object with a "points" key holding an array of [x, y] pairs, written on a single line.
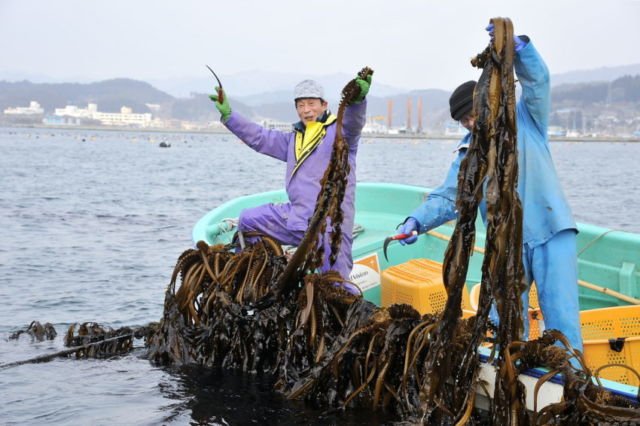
{"points": [[304, 185]]}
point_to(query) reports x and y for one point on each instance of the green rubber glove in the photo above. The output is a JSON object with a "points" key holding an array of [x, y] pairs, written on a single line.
{"points": [[364, 88], [223, 107]]}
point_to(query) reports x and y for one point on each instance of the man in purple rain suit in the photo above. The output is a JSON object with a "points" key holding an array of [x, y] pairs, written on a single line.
{"points": [[307, 152]]}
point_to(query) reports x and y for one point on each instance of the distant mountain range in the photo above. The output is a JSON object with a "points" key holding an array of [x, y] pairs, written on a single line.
{"points": [[256, 87], [268, 95], [110, 95], [249, 84], [596, 74]]}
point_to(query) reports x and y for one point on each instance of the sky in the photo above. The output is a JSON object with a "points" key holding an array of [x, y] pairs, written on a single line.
{"points": [[410, 44]]}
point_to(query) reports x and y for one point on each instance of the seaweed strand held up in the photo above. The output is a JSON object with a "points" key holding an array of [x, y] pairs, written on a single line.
{"points": [[502, 269], [490, 169]]}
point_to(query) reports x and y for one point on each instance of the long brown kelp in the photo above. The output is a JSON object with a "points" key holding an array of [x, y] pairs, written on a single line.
{"points": [[491, 160], [205, 320], [502, 270]]}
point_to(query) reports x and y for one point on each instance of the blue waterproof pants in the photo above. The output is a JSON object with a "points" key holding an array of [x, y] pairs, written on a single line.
{"points": [[554, 267]]}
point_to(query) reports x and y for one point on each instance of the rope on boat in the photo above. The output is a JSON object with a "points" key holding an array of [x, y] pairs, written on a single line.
{"points": [[592, 242], [581, 283]]}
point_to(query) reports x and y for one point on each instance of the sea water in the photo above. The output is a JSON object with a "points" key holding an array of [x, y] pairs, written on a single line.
{"points": [[92, 223]]}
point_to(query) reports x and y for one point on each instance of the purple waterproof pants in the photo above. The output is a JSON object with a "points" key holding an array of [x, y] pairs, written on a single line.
{"points": [[271, 219]]}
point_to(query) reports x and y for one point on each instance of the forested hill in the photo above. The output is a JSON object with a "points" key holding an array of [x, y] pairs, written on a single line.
{"points": [[110, 95], [622, 90]]}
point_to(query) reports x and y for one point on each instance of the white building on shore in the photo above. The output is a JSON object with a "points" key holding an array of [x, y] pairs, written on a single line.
{"points": [[276, 125], [125, 118], [34, 108]]}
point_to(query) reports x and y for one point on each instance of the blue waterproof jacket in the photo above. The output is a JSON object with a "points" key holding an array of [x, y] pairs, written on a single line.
{"points": [[545, 208]]}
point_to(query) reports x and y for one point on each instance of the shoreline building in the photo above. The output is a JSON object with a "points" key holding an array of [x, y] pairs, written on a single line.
{"points": [[276, 125], [34, 108], [126, 117]]}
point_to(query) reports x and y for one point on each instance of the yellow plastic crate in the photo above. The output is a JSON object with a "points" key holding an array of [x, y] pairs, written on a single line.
{"points": [[418, 283], [609, 336], [536, 322], [612, 336]]}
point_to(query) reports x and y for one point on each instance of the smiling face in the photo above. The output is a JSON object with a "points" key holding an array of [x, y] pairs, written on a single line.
{"points": [[310, 109], [467, 121]]}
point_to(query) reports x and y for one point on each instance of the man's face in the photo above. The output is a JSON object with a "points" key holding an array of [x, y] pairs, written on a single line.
{"points": [[467, 121], [310, 109]]}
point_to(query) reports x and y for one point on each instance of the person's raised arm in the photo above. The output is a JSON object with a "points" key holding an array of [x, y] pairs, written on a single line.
{"points": [[355, 114], [273, 143], [533, 76]]}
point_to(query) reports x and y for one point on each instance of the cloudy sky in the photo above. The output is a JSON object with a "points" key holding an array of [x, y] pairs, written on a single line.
{"points": [[410, 44]]}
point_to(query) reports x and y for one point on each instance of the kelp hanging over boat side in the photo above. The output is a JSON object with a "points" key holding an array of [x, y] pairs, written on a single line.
{"points": [[358, 369], [205, 321], [583, 401], [323, 313], [377, 361]]}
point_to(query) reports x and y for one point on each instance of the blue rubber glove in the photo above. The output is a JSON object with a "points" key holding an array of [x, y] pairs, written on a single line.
{"points": [[223, 107], [517, 41], [410, 225]]}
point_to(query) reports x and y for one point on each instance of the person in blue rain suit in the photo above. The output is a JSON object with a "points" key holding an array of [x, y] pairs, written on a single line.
{"points": [[549, 230]]}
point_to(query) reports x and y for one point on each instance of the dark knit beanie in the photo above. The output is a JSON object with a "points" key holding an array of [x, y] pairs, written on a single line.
{"points": [[461, 100]]}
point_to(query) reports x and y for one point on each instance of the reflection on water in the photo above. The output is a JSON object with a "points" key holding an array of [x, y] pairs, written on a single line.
{"points": [[217, 396]]}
